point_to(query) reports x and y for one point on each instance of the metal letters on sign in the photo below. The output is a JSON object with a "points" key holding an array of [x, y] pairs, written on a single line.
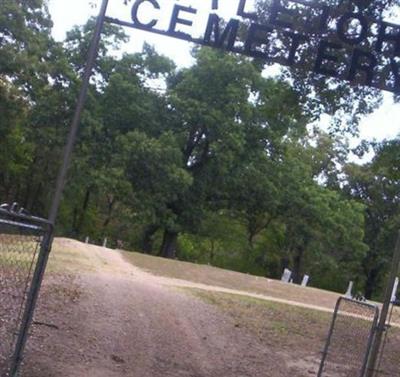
{"points": [[340, 42]]}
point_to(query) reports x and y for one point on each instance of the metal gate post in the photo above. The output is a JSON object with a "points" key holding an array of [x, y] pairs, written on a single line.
{"points": [[370, 343], [328, 341]]}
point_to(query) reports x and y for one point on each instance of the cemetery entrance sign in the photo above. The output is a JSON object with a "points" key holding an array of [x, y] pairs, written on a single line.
{"points": [[341, 42]]}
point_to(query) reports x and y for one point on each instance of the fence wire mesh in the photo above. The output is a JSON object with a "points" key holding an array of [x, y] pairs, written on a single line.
{"points": [[389, 361], [349, 339], [20, 242]]}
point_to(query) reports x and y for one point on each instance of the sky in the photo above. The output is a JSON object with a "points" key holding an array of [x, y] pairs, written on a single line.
{"points": [[384, 123]]}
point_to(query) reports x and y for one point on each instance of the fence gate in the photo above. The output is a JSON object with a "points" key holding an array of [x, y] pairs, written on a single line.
{"points": [[23, 240], [350, 338], [388, 360]]}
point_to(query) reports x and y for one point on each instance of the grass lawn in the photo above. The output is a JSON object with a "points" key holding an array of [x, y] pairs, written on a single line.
{"points": [[280, 324], [209, 275], [300, 333]]}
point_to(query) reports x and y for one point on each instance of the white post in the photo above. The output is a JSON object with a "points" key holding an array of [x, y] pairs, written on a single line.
{"points": [[87, 240], [105, 242], [349, 292]]}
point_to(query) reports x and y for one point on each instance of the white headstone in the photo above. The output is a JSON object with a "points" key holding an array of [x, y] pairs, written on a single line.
{"points": [[394, 293], [305, 281], [287, 274], [349, 292]]}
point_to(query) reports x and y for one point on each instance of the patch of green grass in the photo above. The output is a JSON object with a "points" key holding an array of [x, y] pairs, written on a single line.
{"points": [[295, 330], [66, 259], [204, 274], [15, 259], [17, 255], [283, 324]]}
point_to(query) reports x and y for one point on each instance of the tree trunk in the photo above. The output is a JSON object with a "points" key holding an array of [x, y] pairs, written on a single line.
{"points": [[212, 251], [297, 265], [252, 231], [110, 207], [32, 197], [250, 240], [168, 247], [74, 223], [285, 263], [85, 207], [147, 238], [370, 284]]}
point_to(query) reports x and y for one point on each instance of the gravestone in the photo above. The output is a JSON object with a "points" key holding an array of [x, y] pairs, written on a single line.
{"points": [[287, 274], [349, 292], [305, 281], [395, 287]]}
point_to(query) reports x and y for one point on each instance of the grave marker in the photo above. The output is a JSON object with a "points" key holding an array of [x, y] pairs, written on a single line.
{"points": [[349, 292], [395, 287], [305, 281], [287, 274]]}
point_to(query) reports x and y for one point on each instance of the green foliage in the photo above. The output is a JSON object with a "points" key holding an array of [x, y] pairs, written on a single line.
{"points": [[215, 163], [377, 184], [345, 103]]}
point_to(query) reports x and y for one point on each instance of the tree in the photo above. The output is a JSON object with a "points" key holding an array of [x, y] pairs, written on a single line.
{"points": [[345, 103], [120, 102], [206, 103], [254, 182], [215, 159], [377, 185], [34, 77], [214, 113], [314, 219], [24, 29]]}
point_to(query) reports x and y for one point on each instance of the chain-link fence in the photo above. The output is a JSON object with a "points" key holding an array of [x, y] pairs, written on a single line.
{"points": [[388, 360], [21, 247], [349, 340]]}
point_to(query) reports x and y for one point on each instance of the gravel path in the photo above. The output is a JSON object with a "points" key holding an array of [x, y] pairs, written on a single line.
{"points": [[125, 322]]}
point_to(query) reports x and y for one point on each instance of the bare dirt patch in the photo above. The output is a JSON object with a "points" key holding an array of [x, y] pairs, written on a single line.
{"points": [[100, 315], [111, 319]]}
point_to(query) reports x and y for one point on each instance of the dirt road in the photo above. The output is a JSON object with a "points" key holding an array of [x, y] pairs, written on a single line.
{"points": [[115, 320]]}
